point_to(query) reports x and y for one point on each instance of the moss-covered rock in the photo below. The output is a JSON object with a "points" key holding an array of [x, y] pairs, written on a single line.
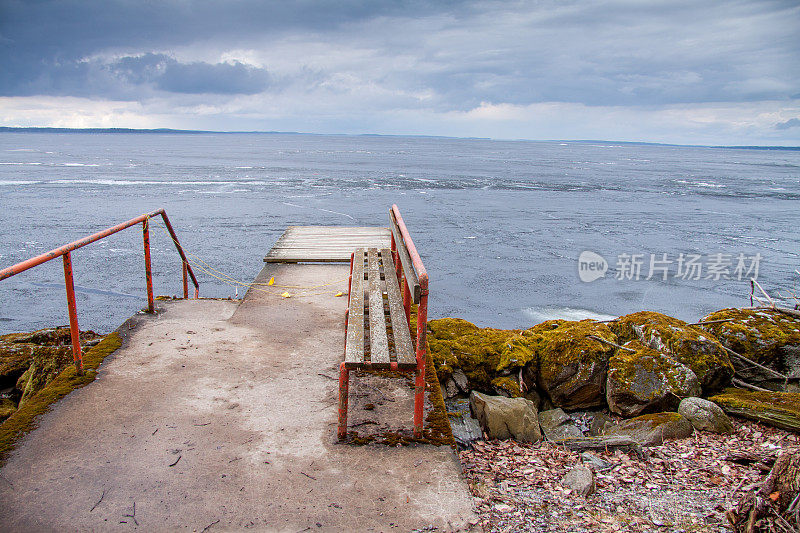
{"points": [[572, 366], [653, 429], [456, 343], [757, 334], [647, 380], [7, 408], [688, 345], [779, 409], [23, 419], [29, 361], [507, 386]]}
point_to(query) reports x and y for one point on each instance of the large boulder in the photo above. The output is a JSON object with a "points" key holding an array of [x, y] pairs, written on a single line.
{"points": [[647, 380], [460, 349], [688, 345], [766, 336], [505, 418], [29, 361], [705, 415], [572, 366], [779, 409], [558, 426], [653, 429], [757, 334]]}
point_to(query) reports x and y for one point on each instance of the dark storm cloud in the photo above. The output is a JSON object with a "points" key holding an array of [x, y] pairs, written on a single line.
{"points": [[460, 53], [167, 74]]}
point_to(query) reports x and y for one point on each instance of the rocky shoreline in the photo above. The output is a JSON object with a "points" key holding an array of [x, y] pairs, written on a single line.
{"points": [[602, 407]]}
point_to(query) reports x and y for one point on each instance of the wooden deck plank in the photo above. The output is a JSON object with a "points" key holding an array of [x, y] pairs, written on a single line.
{"points": [[402, 338], [378, 341], [354, 351], [325, 243]]}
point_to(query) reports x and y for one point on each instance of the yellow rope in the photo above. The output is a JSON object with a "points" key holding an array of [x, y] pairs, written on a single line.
{"points": [[204, 267]]}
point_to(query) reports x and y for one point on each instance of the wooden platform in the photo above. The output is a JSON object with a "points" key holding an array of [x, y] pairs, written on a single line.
{"points": [[325, 244]]}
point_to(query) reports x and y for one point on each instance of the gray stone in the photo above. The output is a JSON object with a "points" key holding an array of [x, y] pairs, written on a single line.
{"points": [[466, 429], [580, 479], [504, 418], [653, 430], [600, 422], [461, 380], [450, 388], [705, 415], [599, 464], [558, 426]]}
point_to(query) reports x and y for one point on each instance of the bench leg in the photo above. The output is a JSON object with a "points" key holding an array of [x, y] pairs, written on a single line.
{"points": [[344, 389], [419, 402]]}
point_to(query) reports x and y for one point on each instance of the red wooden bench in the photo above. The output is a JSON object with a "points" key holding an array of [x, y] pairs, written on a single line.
{"points": [[383, 285]]}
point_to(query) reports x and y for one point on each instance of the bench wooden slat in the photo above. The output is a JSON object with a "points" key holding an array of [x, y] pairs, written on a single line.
{"points": [[405, 259], [402, 337], [379, 344], [354, 353]]}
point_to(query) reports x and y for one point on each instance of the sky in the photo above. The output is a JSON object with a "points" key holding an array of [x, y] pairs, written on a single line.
{"points": [[674, 71]]}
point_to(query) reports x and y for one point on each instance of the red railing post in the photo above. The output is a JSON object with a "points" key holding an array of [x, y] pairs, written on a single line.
{"points": [[148, 274], [422, 337], [74, 332], [185, 282]]}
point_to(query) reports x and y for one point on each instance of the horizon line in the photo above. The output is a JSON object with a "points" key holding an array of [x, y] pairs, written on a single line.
{"points": [[49, 129]]}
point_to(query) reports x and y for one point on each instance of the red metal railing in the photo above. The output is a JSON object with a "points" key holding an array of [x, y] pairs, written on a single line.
{"points": [[64, 251], [422, 314]]}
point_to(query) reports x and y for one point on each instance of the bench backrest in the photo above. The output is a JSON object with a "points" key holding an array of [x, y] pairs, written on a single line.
{"points": [[412, 266]]}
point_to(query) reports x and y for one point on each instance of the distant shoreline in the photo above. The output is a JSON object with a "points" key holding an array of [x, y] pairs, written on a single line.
{"points": [[11, 129]]}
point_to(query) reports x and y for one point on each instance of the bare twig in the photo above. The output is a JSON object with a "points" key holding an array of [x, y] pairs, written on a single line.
{"points": [[757, 365], [710, 322], [753, 281], [132, 515], [614, 344], [98, 501], [209, 525], [745, 385]]}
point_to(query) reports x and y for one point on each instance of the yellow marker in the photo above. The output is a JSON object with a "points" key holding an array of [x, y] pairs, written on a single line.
{"points": [[271, 281], [339, 294], [286, 295]]}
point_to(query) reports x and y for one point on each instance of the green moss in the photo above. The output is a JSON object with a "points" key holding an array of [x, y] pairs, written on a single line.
{"points": [[689, 345], [754, 333], [779, 409], [649, 370], [456, 343], [508, 384], [562, 344], [656, 419], [572, 366], [24, 419]]}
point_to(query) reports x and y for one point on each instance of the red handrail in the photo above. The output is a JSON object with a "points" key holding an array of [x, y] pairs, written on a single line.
{"points": [[422, 318], [64, 251]]}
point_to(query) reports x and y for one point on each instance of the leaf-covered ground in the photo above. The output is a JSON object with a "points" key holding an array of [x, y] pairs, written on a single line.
{"points": [[682, 486]]}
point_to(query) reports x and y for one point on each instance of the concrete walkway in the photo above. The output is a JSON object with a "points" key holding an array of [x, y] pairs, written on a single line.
{"points": [[217, 415]]}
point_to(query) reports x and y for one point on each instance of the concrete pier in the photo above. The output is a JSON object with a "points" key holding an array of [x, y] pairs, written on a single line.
{"points": [[220, 415]]}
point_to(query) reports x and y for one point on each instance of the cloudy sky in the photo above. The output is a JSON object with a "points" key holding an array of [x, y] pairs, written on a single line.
{"points": [[680, 71]]}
